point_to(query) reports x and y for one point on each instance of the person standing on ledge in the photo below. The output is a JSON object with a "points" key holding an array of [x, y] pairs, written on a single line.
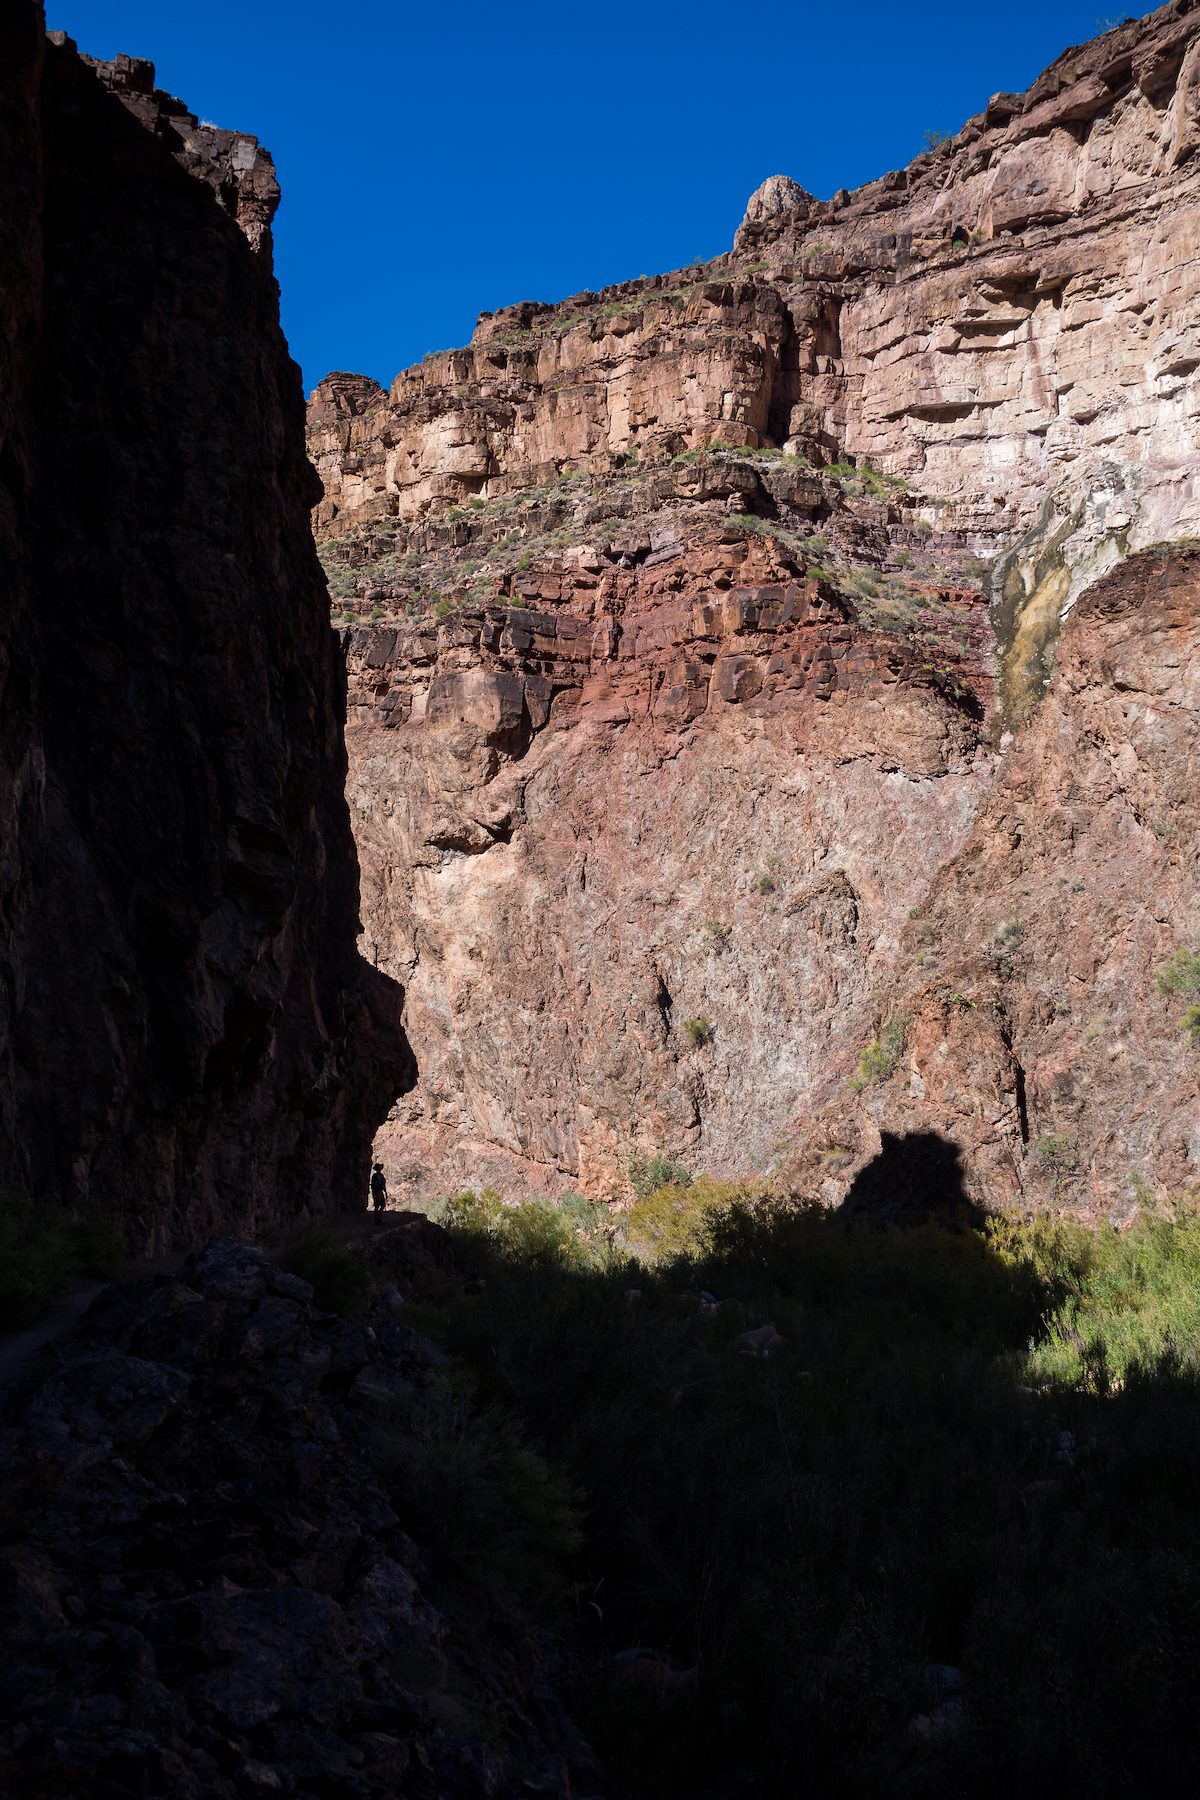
{"points": [[378, 1188]]}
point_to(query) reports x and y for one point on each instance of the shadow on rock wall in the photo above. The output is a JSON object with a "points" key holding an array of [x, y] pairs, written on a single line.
{"points": [[915, 1175], [188, 1038]]}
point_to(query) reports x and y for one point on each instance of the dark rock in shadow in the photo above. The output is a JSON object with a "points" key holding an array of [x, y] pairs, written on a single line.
{"points": [[917, 1175], [189, 1040]]}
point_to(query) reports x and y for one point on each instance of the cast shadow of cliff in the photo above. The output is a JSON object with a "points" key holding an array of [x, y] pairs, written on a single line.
{"points": [[875, 1550], [916, 1176]]}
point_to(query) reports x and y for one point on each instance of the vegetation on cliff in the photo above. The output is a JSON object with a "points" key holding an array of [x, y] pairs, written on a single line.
{"points": [[886, 1506]]}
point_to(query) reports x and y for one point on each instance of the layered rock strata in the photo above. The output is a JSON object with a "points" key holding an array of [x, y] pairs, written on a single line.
{"points": [[188, 1038], [688, 622]]}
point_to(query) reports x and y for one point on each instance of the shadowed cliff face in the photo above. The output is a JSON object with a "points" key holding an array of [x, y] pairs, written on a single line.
{"points": [[686, 624], [187, 1034]]}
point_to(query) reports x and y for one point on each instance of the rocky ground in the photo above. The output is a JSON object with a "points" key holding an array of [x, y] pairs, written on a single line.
{"points": [[209, 1588]]}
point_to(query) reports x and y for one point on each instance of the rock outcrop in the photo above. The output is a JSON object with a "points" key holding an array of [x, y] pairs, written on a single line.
{"points": [[208, 1586], [188, 1038], [1011, 318], [688, 624]]}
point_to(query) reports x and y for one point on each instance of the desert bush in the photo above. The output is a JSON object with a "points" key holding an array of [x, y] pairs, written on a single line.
{"points": [[464, 1472], [340, 1276], [534, 1230], [877, 1060], [1182, 976], [975, 1447], [43, 1249], [650, 1172], [676, 1220], [1005, 945]]}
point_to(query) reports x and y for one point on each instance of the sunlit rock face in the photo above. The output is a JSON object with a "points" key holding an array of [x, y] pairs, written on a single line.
{"points": [[688, 622], [188, 1039], [1042, 1033]]}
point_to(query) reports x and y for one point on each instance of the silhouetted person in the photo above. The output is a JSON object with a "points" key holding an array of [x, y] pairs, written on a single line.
{"points": [[378, 1188]]}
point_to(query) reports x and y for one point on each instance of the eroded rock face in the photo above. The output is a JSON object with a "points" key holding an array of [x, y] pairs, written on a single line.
{"points": [[187, 1035], [1037, 1036], [1011, 316], [689, 620], [636, 849]]}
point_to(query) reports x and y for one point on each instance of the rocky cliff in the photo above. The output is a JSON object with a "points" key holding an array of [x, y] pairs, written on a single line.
{"points": [[689, 624], [188, 1038]]}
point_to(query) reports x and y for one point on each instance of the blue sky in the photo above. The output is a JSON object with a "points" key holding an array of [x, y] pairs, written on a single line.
{"points": [[436, 161]]}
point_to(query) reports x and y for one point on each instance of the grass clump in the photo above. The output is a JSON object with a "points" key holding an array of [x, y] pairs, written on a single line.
{"points": [[698, 1032]]}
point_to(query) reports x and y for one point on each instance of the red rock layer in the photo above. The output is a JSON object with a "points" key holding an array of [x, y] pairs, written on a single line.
{"points": [[651, 801], [1038, 1039], [691, 621]]}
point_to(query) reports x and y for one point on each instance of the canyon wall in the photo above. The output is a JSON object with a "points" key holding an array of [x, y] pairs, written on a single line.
{"points": [[188, 1037], [689, 624]]}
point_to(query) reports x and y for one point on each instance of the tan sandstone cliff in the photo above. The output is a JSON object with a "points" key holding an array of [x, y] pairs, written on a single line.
{"points": [[688, 624]]}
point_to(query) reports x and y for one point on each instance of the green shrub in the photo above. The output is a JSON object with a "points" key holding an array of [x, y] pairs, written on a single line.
{"points": [[589, 1220], [698, 1032], [43, 1250], [877, 1060], [1057, 1158], [535, 1229], [1122, 1300], [469, 1481], [341, 1277], [647, 1173], [1182, 976], [679, 1221]]}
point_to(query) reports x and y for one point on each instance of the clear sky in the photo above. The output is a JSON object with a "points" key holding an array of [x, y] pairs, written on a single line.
{"points": [[437, 160]]}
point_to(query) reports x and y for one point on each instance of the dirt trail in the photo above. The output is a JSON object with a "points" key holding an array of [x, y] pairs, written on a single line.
{"points": [[18, 1348]]}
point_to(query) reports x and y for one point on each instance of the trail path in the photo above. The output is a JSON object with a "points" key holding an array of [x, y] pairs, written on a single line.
{"points": [[18, 1348]]}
